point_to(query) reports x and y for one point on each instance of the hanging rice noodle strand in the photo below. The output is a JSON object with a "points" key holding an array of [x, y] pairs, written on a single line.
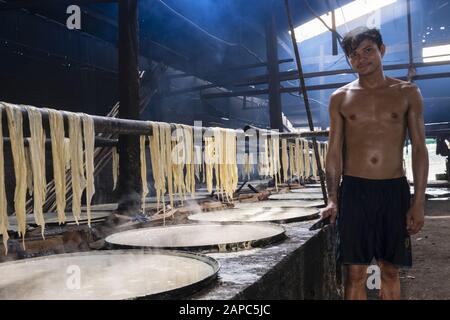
{"points": [[115, 167], [167, 144], [190, 161], [178, 162], [76, 163], [314, 163], [209, 162], [198, 163], [264, 158], [291, 161], [157, 162], [89, 144], [4, 223], [60, 158], [231, 174], [307, 159], [29, 168], [15, 125], [143, 172], [277, 162], [37, 152], [284, 159]]}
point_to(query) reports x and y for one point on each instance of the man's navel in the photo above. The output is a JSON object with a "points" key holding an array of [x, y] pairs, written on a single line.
{"points": [[352, 117], [374, 160]]}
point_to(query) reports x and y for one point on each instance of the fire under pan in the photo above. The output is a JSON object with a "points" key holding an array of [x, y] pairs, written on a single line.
{"points": [[116, 274], [259, 214], [211, 237], [296, 196]]}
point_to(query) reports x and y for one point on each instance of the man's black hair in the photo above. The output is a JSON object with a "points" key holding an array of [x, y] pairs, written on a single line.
{"points": [[354, 38]]}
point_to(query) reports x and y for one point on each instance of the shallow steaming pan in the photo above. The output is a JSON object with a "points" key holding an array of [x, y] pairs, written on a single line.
{"points": [[296, 196], [115, 274], [307, 190], [313, 185], [258, 213], [281, 203], [210, 237]]}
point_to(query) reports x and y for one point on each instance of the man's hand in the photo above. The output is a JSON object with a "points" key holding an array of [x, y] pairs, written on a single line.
{"points": [[415, 219], [330, 211]]}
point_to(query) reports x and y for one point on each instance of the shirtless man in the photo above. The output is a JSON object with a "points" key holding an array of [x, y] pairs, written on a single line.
{"points": [[368, 122]]}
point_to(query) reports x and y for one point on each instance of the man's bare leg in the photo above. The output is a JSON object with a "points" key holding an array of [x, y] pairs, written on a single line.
{"points": [[355, 284], [390, 281]]}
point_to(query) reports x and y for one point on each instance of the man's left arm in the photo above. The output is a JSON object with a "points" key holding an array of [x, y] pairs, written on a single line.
{"points": [[416, 129]]}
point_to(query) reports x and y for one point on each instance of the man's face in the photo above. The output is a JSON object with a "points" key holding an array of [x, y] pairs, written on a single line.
{"points": [[367, 57]]}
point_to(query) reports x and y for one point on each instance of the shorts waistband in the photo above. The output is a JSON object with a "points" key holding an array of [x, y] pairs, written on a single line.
{"points": [[373, 181]]}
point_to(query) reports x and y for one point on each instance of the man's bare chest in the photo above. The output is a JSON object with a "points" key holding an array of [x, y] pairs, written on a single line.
{"points": [[379, 108]]}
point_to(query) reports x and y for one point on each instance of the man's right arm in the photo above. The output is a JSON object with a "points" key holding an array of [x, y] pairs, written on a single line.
{"points": [[334, 160]]}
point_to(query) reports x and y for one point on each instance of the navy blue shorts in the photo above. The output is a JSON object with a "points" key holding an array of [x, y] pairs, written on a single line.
{"points": [[372, 221]]}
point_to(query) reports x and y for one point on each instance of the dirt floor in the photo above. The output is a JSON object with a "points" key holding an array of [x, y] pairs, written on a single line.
{"points": [[429, 278]]}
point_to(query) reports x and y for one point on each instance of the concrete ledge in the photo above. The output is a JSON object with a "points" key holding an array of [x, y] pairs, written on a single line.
{"points": [[301, 267]]}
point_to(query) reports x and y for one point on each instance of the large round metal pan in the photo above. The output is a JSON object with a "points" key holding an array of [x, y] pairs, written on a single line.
{"points": [[307, 190], [115, 274], [281, 204], [210, 237], [258, 214], [296, 196], [312, 185]]}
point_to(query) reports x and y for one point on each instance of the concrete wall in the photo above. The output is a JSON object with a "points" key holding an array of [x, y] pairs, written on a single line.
{"points": [[303, 266], [307, 273]]}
